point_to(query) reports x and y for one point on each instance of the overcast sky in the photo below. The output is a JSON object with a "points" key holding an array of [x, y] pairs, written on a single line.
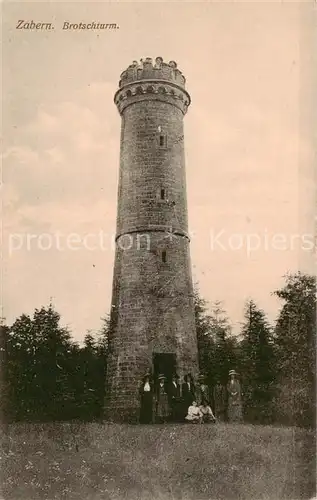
{"points": [[248, 140]]}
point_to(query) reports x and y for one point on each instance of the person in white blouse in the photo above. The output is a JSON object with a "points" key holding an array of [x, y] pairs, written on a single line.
{"points": [[146, 400]]}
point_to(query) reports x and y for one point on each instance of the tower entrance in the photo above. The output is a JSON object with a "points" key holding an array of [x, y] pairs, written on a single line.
{"points": [[165, 364]]}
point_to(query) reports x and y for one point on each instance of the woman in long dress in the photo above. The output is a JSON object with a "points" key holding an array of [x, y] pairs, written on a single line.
{"points": [[146, 400], [234, 398], [162, 400]]}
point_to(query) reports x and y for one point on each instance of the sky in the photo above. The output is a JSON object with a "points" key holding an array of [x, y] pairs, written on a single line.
{"points": [[248, 139]]}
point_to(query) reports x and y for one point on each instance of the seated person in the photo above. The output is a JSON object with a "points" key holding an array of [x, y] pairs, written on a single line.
{"points": [[206, 412], [194, 414]]}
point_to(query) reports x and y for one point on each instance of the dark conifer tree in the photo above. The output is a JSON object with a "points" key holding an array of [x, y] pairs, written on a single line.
{"points": [[38, 352], [205, 341], [224, 355], [5, 410], [295, 339], [257, 365]]}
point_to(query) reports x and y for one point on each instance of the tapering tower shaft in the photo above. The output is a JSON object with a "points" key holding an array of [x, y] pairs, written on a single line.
{"points": [[152, 311]]}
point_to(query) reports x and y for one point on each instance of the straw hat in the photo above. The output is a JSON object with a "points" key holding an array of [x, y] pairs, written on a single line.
{"points": [[232, 372], [161, 377]]}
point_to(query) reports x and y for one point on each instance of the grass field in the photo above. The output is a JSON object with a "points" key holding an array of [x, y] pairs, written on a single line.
{"points": [[162, 462]]}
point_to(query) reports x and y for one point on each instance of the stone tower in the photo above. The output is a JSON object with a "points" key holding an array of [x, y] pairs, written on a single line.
{"points": [[152, 311]]}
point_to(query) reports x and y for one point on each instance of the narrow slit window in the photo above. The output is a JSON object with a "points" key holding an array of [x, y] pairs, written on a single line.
{"points": [[163, 194], [164, 256], [162, 141]]}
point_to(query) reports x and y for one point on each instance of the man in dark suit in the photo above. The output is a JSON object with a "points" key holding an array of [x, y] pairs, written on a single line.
{"points": [[188, 393], [175, 398]]}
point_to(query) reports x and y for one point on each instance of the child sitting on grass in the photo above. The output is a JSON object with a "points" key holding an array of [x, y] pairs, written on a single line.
{"points": [[207, 413], [194, 415]]}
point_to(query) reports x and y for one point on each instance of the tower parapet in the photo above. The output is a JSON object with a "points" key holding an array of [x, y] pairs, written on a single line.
{"points": [[146, 70], [145, 78]]}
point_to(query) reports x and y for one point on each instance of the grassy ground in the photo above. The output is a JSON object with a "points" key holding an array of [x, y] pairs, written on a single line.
{"points": [[162, 462]]}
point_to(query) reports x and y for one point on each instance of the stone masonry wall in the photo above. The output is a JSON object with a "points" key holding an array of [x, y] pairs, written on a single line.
{"points": [[146, 167]]}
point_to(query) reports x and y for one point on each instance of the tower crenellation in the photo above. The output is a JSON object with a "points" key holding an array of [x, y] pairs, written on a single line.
{"points": [[147, 70], [141, 80]]}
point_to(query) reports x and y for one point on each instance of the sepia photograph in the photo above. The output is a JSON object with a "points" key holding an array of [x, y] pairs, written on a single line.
{"points": [[158, 250]]}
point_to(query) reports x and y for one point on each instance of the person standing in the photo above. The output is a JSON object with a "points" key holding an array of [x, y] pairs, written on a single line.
{"points": [[188, 393], [162, 403], [219, 394], [146, 400], [174, 398], [234, 398], [202, 390]]}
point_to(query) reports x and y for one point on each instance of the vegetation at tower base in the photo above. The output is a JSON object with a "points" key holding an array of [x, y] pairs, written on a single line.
{"points": [[257, 365], [46, 375], [295, 337], [217, 348]]}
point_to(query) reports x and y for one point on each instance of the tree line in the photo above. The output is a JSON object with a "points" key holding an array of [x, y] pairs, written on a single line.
{"points": [[47, 376]]}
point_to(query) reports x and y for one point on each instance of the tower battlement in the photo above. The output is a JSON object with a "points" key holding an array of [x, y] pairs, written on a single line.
{"points": [[147, 70], [148, 81]]}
